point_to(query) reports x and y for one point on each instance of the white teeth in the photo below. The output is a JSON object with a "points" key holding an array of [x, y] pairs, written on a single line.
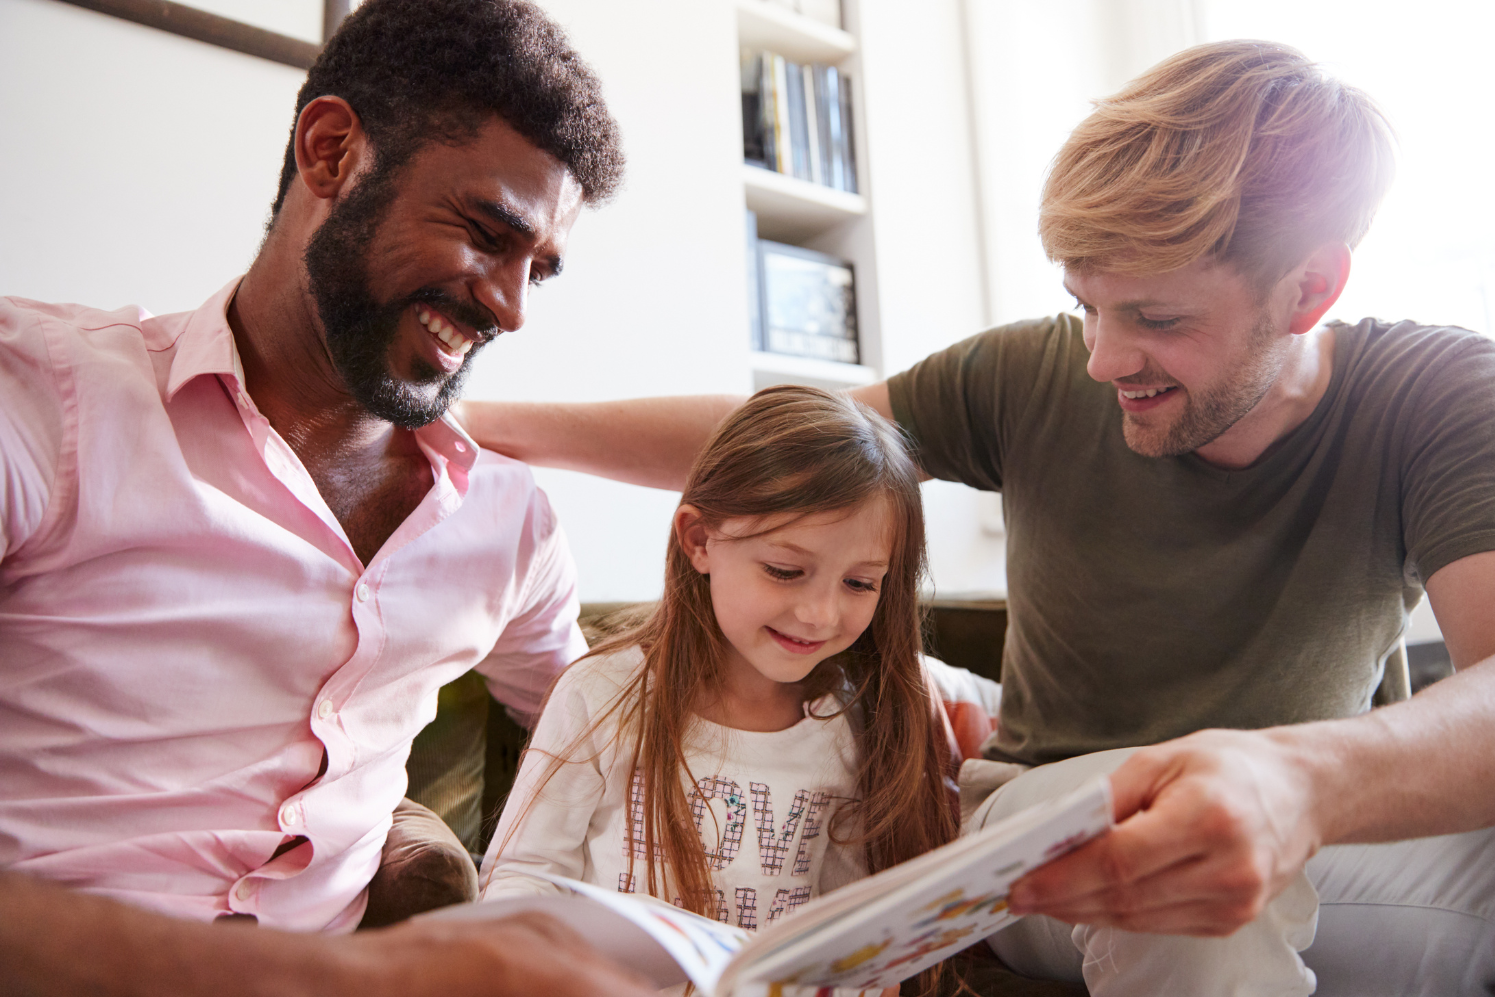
{"points": [[1149, 393], [452, 340]]}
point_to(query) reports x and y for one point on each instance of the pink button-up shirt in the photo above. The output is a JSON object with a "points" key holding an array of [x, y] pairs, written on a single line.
{"points": [[185, 630]]}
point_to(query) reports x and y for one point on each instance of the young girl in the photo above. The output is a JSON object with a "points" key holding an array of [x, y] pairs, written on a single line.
{"points": [[768, 733]]}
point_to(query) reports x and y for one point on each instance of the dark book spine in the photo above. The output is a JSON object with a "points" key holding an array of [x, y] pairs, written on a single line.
{"points": [[849, 142], [767, 110], [753, 150]]}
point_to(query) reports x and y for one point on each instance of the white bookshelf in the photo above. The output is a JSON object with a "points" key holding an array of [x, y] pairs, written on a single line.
{"points": [[803, 213], [780, 368], [793, 210], [764, 24]]}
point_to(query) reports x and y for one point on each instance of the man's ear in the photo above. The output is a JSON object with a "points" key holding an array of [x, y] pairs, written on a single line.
{"points": [[691, 529], [330, 142], [1318, 282]]}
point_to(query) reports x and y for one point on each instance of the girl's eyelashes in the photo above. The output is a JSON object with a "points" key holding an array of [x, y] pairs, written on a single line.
{"points": [[859, 585]]}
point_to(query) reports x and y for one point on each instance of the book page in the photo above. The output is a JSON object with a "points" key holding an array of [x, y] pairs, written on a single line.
{"points": [[702, 947], [886, 928]]}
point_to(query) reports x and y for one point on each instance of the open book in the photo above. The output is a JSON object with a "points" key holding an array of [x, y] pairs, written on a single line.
{"points": [[874, 933]]}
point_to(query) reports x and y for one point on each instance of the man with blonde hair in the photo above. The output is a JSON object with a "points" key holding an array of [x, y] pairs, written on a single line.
{"points": [[1219, 512]]}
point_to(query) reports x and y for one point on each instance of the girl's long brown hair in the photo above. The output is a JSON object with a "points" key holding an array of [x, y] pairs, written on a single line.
{"points": [[800, 451]]}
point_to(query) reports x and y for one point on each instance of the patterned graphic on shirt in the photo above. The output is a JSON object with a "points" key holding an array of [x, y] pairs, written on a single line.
{"points": [[633, 838], [818, 804], [785, 901], [774, 848], [806, 819], [720, 854], [747, 908]]}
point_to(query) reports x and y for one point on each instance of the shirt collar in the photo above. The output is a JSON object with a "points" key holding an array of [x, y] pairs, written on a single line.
{"points": [[447, 437], [206, 346]]}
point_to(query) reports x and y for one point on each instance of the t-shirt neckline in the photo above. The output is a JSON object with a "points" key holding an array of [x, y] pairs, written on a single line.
{"points": [[1281, 449]]}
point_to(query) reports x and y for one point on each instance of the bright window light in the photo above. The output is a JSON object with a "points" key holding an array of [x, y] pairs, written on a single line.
{"points": [[1430, 255]]}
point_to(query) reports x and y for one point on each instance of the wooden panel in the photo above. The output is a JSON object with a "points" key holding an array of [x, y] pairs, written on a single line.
{"points": [[970, 636], [199, 25]]}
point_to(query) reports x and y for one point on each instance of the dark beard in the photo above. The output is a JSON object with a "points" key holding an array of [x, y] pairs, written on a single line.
{"points": [[359, 330]]}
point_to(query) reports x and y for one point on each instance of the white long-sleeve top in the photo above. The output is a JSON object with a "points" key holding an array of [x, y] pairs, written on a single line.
{"points": [[762, 802]]}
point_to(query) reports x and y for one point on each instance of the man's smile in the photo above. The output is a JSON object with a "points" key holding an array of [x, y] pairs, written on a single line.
{"points": [[1143, 399], [452, 338]]}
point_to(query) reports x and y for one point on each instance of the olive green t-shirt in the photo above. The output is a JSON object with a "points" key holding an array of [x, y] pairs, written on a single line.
{"points": [[1152, 597]]}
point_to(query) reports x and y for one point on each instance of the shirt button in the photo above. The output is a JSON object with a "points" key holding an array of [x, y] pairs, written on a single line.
{"points": [[289, 816], [244, 890], [363, 592], [324, 709]]}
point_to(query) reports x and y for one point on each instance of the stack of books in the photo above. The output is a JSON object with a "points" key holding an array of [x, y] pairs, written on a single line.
{"points": [[796, 120]]}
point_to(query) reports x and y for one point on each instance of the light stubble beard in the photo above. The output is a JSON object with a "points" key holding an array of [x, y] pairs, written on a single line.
{"points": [[1208, 414]]}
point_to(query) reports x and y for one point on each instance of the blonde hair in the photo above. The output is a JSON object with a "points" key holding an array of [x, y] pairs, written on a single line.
{"points": [[1244, 151]]}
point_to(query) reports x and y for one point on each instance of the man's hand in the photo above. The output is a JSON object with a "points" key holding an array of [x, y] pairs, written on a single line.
{"points": [[521, 955], [1210, 828]]}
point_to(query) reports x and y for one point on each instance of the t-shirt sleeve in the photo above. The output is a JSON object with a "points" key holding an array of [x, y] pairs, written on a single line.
{"points": [[31, 426], [962, 405], [542, 638], [1448, 481], [560, 785]]}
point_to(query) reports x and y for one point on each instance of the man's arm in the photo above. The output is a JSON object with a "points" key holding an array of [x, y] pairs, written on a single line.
{"points": [[57, 942], [643, 441], [1214, 825]]}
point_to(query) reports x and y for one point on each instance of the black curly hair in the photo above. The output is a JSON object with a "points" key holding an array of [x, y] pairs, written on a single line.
{"points": [[423, 70]]}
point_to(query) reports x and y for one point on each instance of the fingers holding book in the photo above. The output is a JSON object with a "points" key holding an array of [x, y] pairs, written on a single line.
{"points": [[1210, 828]]}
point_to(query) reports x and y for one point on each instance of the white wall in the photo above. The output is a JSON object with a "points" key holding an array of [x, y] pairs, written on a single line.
{"points": [[1430, 256], [138, 167]]}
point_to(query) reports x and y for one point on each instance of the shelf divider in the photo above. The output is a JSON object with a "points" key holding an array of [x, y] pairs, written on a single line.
{"points": [[781, 368], [791, 210], [765, 25]]}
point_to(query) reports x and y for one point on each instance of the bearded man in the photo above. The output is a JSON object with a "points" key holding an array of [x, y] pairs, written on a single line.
{"points": [[242, 548], [1219, 513]]}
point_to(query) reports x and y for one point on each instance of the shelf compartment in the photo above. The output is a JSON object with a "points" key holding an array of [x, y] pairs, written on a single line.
{"points": [[781, 368], [765, 25], [793, 210]]}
